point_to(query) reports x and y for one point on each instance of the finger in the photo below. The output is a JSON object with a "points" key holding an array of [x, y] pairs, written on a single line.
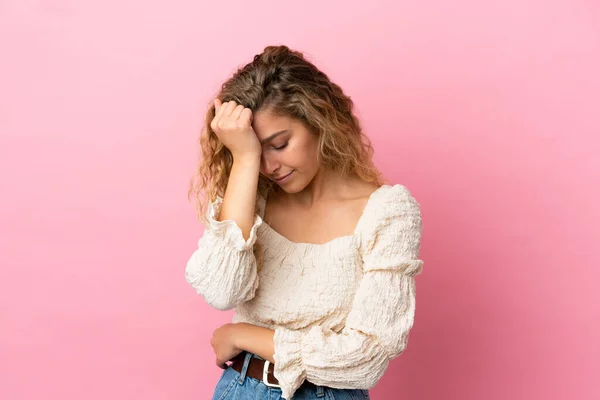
{"points": [[218, 111], [217, 104], [237, 112], [247, 113], [231, 105], [222, 108]]}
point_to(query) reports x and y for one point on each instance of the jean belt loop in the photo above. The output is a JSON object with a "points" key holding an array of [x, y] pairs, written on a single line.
{"points": [[247, 359], [320, 391]]}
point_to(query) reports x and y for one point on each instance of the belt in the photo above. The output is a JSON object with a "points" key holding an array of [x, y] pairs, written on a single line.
{"points": [[261, 370]]}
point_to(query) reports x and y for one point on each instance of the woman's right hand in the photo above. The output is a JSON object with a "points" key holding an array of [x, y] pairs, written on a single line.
{"points": [[233, 126]]}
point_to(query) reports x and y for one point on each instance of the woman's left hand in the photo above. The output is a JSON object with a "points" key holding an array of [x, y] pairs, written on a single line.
{"points": [[223, 343]]}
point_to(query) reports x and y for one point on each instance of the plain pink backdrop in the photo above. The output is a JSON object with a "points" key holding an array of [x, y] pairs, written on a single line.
{"points": [[487, 111]]}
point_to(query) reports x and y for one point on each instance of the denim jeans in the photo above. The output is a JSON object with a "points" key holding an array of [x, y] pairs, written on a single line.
{"points": [[234, 385]]}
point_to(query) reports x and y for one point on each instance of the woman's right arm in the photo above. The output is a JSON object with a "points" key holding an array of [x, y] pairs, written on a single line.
{"points": [[240, 194], [223, 269]]}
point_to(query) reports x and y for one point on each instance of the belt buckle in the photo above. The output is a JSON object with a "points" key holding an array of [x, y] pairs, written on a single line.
{"points": [[266, 375]]}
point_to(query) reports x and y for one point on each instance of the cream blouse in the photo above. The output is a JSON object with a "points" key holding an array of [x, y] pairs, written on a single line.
{"points": [[340, 310]]}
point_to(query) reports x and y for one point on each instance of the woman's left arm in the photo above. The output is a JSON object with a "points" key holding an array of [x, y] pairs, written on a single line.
{"points": [[231, 339], [255, 339]]}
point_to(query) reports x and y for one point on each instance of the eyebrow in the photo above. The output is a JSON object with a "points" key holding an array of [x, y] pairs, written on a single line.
{"points": [[273, 136]]}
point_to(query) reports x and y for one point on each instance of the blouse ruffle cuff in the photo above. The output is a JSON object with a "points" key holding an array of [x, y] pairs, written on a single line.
{"points": [[228, 230], [288, 368]]}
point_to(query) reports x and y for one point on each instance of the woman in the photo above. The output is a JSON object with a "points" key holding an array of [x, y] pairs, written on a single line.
{"points": [[315, 253]]}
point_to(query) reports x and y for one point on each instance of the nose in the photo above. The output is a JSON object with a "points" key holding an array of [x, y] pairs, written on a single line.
{"points": [[269, 165]]}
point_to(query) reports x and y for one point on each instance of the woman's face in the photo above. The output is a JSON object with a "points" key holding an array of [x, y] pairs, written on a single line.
{"points": [[287, 148]]}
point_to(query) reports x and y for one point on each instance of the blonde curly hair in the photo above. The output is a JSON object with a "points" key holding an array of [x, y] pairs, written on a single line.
{"points": [[284, 82]]}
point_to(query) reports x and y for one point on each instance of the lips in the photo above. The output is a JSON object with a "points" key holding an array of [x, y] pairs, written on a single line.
{"points": [[283, 177]]}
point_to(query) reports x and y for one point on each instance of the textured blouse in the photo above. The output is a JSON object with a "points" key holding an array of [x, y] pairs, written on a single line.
{"points": [[340, 310]]}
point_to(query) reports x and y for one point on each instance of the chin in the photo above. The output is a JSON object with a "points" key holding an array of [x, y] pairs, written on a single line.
{"points": [[292, 189]]}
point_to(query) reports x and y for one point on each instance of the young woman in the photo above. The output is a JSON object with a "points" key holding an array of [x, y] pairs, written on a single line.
{"points": [[316, 254]]}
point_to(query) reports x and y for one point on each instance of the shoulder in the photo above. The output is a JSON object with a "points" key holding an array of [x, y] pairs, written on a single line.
{"points": [[398, 193], [391, 203], [392, 222]]}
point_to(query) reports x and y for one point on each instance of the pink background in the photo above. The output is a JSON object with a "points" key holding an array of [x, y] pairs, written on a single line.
{"points": [[488, 111]]}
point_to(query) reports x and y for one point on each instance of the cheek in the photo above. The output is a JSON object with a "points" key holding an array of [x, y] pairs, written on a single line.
{"points": [[301, 159], [296, 156]]}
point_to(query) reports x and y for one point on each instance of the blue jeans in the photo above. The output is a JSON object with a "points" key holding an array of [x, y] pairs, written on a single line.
{"points": [[234, 385]]}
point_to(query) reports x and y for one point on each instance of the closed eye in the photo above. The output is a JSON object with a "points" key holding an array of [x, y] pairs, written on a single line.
{"points": [[281, 147]]}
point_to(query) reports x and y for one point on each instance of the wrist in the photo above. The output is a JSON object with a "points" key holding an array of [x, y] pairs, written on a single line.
{"points": [[247, 159]]}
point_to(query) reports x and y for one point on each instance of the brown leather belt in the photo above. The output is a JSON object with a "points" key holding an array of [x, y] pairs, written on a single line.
{"points": [[256, 368]]}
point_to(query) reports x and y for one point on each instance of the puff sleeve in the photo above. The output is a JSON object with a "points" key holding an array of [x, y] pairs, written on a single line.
{"points": [[223, 268], [381, 317]]}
